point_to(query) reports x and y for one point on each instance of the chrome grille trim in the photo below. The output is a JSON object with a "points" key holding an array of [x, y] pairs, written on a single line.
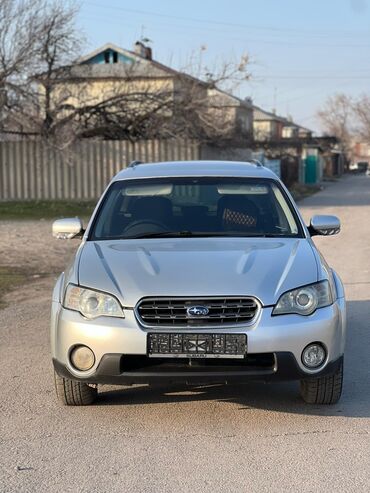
{"points": [[224, 311]]}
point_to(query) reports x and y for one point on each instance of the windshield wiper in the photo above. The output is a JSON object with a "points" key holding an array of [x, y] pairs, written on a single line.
{"points": [[171, 234], [202, 234]]}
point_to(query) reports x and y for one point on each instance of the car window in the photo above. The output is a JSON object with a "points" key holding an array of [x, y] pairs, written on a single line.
{"points": [[195, 207]]}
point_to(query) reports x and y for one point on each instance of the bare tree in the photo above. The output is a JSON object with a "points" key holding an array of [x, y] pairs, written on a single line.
{"points": [[44, 93], [361, 111], [337, 119], [226, 75], [58, 42], [36, 36], [348, 119], [20, 27], [208, 109]]}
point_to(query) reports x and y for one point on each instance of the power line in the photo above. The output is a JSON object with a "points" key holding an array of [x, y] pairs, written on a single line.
{"points": [[318, 77], [229, 24], [263, 41]]}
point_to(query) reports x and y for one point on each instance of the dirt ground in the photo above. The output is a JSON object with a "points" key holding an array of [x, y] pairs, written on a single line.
{"points": [[29, 246]]}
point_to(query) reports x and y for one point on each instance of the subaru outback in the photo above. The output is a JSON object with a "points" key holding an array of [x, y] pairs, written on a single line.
{"points": [[197, 273]]}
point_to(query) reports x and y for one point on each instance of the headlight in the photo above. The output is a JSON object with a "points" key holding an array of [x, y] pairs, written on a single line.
{"points": [[305, 300], [92, 304]]}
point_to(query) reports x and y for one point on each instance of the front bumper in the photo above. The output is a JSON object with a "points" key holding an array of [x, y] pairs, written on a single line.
{"points": [[278, 340], [112, 370]]}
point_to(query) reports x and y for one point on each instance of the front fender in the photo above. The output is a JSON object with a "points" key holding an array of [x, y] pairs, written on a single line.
{"points": [[58, 289], [338, 284], [342, 303], [56, 304]]}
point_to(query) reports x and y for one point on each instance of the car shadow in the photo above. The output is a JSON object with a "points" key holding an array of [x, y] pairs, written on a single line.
{"points": [[278, 397]]}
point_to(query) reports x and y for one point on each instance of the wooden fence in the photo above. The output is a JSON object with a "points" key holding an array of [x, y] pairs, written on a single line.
{"points": [[31, 170]]}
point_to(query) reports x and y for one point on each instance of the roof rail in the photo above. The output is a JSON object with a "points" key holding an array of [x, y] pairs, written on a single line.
{"points": [[257, 163], [134, 163]]}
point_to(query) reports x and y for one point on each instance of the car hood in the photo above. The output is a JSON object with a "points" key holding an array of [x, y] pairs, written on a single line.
{"points": [[260, 267]]}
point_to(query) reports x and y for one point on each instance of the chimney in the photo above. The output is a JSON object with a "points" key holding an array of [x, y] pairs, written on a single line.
{"points": [[148, 53], [142, 50]]}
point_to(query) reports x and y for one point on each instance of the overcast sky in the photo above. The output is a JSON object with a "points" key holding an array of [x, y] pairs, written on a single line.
{"points": [[302, 51]]}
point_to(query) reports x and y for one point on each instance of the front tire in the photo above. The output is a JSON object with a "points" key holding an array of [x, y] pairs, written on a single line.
{"points": [[323, 390], [73, 393]]}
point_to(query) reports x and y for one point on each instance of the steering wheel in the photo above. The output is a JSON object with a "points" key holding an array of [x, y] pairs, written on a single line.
{"points": [[140, 222]]}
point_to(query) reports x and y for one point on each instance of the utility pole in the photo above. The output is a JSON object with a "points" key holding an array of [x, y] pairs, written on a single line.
{"points": [[274, 102]]}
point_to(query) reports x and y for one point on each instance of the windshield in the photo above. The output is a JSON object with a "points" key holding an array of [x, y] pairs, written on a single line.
{"points": [[175, 207]]}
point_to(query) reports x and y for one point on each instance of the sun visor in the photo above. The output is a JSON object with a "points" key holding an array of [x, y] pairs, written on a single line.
{"points": [[232, 189], [148, 190]]}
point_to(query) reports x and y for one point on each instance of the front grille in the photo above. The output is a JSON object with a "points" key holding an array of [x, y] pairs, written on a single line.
{"points": [[173, 312]]}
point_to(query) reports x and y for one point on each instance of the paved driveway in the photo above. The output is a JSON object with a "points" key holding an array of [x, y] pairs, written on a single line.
{"points": [[226, 439]]}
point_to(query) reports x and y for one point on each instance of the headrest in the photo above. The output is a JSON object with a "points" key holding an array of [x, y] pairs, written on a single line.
{"points": [[237, 212]]}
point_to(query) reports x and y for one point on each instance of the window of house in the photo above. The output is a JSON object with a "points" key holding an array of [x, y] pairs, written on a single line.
{"points": [[115, 57], [106, 56]]}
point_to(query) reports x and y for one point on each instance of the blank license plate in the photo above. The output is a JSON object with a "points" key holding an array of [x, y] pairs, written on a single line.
{"points": [[166, 345]]}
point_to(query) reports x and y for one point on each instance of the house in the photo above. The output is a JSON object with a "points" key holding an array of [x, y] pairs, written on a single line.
{"points": [[111, 76], [235, 114], [303, 157], [292, 130], [267, 126]]}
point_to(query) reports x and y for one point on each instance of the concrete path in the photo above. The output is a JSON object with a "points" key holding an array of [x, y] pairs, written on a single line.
{"points": [[257, 438]]}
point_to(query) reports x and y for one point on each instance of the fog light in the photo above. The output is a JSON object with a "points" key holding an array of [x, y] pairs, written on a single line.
{"points": [[82, 358], [313, 355]]}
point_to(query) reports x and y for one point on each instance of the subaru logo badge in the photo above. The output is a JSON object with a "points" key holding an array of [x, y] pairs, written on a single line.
{"points": [[197, 311]]}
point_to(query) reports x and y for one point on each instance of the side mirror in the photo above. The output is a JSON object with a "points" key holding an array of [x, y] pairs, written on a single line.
{"points": [[324, 225], [65, 229]]}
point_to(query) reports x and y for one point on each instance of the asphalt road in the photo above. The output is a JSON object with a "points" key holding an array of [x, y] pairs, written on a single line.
{"points": [[256, 438]]}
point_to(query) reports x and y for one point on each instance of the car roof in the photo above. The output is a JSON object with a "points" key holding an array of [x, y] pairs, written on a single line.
{"points": [[195, 168]]}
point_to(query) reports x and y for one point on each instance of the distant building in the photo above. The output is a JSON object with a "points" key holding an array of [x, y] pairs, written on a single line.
{"points": [[360, 154], [236, 113], [292, 130], [268, 126], [303, 157], [110, 71]]}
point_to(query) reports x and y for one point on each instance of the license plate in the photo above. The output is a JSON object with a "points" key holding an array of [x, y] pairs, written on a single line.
{"points": [[171, 345]]}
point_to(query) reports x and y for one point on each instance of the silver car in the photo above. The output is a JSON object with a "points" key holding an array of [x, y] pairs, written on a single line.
{"points": [[196, 273]]}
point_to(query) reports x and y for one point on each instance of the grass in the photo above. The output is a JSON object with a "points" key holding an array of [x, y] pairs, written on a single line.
{"points": [[9, 279], [45, 209], [300, 192]]}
